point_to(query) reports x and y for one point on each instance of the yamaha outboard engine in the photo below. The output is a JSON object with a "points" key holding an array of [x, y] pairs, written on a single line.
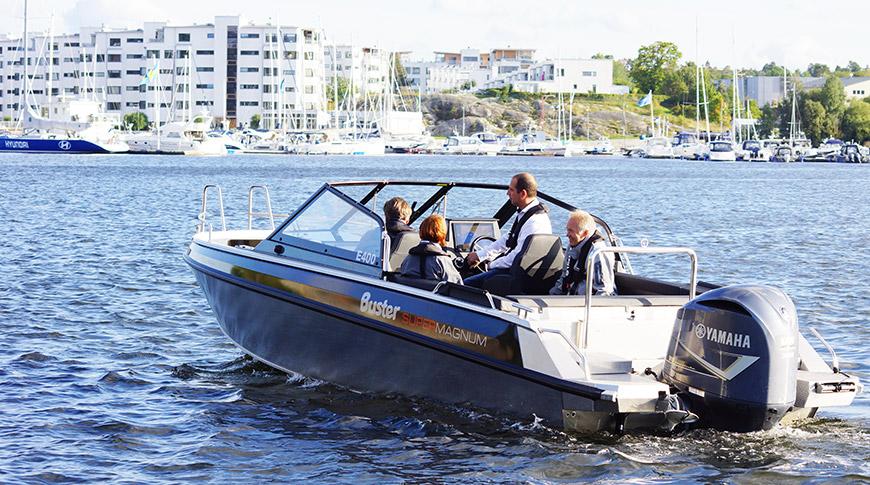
{"points": [[734, 357]]}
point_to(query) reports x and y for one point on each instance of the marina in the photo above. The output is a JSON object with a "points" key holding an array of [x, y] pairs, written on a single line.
{"points": [[151, 390]]}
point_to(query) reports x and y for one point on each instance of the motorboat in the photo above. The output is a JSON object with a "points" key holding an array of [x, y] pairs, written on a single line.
{"points": [[830, 146], [601, 146], [490, 144], [538, 143], [850, 153], [179, 138], [319, 294], [658, 147], [783, 154], [71, 126], [752, 150], [722, 151], [461, 145], [688, 146]]}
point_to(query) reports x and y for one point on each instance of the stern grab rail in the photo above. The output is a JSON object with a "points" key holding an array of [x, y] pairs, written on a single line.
{"points": [[202, 214], [598, 252]]}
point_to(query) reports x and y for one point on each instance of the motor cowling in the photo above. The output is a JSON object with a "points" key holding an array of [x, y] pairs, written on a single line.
{"points": [[734, 356]]}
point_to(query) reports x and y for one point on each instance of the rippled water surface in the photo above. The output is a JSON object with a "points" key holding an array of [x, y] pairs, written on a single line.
{"points": [[113, 367]]}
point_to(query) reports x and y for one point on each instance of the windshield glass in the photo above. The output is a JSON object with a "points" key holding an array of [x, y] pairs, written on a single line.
{"points": [[348, 231]]}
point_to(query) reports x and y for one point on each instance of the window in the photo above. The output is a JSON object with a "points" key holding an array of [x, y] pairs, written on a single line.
{"points": [[469, 59], [309, 72], [113, 89], [132, 104], [334, 227], [205, 86], [114, 74], [183, 37], [248, 103], [205, 53], [182, 54], [249, 35], [113, 106], [168, 54], [133, 88], [134, 56], [115, 42], [204, 69], [134, 72], [249, 69], [101, 58], [249, 86], [205, 103], [249, 53], [310, 90], [134, 40], [209, 35], [309, 56], [152, 54], [289, 54], [589, 74], [289, 37]]}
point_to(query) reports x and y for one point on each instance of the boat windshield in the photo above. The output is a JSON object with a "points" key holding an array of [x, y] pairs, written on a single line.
{"points": [[334, 226], [720, 146]]}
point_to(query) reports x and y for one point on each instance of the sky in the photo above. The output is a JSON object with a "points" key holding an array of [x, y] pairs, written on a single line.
{"points": [[746, 33]]}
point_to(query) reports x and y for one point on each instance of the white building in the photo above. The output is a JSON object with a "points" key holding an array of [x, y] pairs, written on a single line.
{"points": [[562, 76], [366, 68], [233, 71], [499, 67]]}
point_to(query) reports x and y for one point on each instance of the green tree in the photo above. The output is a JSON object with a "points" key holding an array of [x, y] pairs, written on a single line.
{"points": [[399, 70], [833, 98], [136, 121], [650, 68], [815, 120], [620, 73], [337, 92], [255, 122], [856, 121], [771, 69], [818, 70], [854, 66]]}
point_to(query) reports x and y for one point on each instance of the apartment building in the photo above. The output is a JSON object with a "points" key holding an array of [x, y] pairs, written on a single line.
{"points": [[367, 68], [474, 69], [228, 69]]}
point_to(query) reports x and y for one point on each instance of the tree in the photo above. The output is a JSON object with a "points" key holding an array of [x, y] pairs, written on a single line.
{"points": [[856, 121], [337, 92], [818, 70], [620, 73], [771, 69], [854, 66], [815, 120], [650, 68], [255, 122], [136, 121], [833, 98], [399, 68]]}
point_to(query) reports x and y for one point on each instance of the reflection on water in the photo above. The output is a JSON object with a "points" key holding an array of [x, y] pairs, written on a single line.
{"points": [[115, 369]]}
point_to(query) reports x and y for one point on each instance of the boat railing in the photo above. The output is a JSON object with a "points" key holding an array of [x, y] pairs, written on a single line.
{"points": [[599, 252], [203, 213], [581, 353], [268, 214]]}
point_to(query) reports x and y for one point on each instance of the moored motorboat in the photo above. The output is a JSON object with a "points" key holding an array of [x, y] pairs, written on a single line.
{"points": [[318, 294]]}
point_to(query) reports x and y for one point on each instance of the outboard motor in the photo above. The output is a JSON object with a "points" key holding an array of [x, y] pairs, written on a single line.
{"points": [[734, 357]]}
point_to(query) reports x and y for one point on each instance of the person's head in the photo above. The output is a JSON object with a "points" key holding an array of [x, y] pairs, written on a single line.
{"points": [[580, 225], [522, 190], [397, 208], [434, 229]]}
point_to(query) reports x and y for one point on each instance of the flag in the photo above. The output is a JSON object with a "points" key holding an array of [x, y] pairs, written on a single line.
{"points": [[149, 75], [646, 100]]}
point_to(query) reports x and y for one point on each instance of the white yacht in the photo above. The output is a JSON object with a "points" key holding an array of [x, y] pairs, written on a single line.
{"points": [[722, 151], [658, 147], [179, 138]]}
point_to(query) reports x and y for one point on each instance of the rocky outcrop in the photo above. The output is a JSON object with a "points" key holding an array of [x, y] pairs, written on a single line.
{"points": [[448, 114]]}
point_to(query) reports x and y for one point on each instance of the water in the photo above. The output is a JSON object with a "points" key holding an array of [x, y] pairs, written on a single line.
{"points": [[113, 367]]}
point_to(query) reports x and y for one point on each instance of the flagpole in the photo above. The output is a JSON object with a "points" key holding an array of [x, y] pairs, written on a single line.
{"points": [[652, 118]]}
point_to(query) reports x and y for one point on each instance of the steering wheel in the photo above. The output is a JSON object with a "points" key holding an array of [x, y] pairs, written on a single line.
{"points": [[458, 259], [475, 246]]}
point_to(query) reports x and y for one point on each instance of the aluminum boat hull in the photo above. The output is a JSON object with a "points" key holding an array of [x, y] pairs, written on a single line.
{"points": [[310, 322]]}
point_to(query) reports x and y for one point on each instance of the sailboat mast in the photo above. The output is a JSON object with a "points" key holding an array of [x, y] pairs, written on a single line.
{"points": [[697, 86], [23, 95]]}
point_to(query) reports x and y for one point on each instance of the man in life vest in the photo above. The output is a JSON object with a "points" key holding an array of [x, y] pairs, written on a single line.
{"points": [[582, 238], [531, 218]]}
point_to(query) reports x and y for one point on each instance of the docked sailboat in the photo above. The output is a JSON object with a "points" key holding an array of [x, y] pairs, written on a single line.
{"points": [[75, 126], [179, 138]]}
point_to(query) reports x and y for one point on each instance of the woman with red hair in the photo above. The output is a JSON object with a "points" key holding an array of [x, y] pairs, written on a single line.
{"points": [[428, 260]]}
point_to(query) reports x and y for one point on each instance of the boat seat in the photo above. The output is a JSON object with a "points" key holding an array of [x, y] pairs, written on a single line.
{"points": [[534, 270], [404, 241], [422, 283]]}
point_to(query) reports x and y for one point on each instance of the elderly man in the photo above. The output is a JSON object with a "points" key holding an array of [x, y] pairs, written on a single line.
{"points": [[531, 219], [582, 238]]}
